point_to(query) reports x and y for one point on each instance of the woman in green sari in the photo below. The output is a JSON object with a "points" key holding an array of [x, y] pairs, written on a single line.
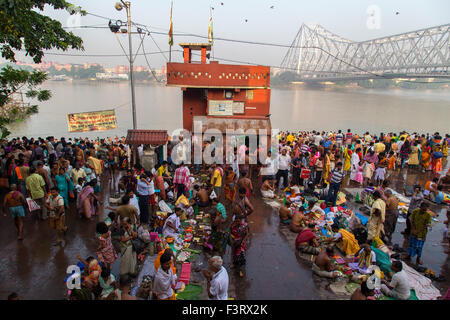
{"points": [[128, 259], [65, 185]]}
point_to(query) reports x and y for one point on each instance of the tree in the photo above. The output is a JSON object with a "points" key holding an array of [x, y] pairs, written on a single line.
{"points": [[23, 27]]}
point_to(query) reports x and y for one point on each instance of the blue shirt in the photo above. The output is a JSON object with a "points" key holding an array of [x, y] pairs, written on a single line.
{"points": [[143, 189]]}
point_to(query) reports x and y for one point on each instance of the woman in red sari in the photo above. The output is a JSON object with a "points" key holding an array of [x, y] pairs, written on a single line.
{"points": [[436, 160]]}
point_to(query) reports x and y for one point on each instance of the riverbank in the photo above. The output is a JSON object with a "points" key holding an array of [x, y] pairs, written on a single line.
{"points": [[36, 269]]}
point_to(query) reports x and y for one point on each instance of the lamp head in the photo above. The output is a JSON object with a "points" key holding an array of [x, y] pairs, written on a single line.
{"points": [[118, 6]]}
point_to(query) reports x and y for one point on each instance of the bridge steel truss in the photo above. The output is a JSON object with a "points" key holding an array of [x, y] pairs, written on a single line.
{"points": [[316, 53]]}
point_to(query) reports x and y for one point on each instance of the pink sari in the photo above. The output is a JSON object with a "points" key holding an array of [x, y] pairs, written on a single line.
{"points": [[85, 203]]}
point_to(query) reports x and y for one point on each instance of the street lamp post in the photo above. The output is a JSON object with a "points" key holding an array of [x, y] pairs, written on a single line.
{"points": [[133, 99], [119, 7]]}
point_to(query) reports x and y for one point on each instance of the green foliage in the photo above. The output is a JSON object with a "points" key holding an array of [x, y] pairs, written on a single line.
{"points": [[23, 27]]}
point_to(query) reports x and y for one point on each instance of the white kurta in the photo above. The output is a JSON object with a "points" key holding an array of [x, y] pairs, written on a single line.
{"points": [[354, 166], [163, 283]]}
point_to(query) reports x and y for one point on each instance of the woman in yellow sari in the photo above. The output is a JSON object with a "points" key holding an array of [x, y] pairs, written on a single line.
{"points": [[326, 166], [347, 157], [445, 146], [414, 156]]}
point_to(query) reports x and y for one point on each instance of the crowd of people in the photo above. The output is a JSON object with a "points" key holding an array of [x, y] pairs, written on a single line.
{"points": [[44, 176]]}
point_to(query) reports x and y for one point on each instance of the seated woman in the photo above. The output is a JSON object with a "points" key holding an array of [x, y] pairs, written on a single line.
{"points": [[367, 259], [344, 240], [184, 204], [306, 241], [172, 225], [165, 280], [109, 286], [298, 220]]}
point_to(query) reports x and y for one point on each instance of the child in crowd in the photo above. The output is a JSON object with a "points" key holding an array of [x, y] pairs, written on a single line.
{"points": [[368, 169], [380, 175], [391, 163], [359, 174], [79, 186]]}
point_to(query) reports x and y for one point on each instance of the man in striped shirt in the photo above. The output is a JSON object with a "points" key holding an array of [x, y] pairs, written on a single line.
{"points": [[181, 178], [335, 184], [305, 148]]}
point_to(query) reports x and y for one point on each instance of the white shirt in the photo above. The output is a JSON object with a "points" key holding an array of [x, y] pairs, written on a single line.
{"points": [[283, 162], [163, 283], [270, 169], [151, 189], [134, 202], [400, 284], [317, 139], [219, 285]]}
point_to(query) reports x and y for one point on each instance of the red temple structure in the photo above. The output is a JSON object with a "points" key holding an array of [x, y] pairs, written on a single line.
{"points": [[221, 95]]}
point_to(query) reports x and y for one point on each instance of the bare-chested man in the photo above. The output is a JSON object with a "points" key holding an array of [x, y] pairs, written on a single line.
{"points": [[202, 197], [245, 182], [298, 220], [285, 213], [111, 161], [245, 167], [362, 293], [268, 189], [125, 287], [244, 205], [322, 265]]}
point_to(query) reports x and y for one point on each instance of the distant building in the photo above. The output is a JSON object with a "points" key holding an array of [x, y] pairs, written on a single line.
{"points": [[122, 69], [140, 69]]}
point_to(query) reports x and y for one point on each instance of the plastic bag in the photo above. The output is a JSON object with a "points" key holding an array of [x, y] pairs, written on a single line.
{"points": [[143, 234], [32, 205], [164, 207]]}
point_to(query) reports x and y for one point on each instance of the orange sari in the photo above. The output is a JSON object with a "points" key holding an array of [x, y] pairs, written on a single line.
{"points": [[229, 187], [426, 159]]}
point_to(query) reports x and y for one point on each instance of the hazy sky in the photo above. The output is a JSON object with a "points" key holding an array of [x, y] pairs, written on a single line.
{"points": [[346, 18]]}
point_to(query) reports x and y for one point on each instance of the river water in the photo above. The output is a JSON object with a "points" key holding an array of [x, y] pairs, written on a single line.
{"points": [[158, 107]]}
